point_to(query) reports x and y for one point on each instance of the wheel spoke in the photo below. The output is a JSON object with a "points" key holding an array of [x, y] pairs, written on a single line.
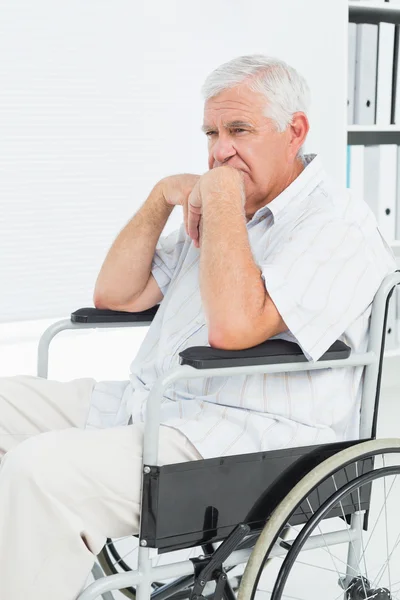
{"points": [[327, 551], [323, 537], [351, 541], [285, 595], [363, 557], [376, 522], [385, 564], [313, 566], [386, 522], [121, 558], [395, 592]]}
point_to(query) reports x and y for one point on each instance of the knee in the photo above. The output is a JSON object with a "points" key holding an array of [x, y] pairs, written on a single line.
{"points": [[37, 460]]}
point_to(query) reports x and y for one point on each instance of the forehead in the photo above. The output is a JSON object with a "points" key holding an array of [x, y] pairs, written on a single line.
{"points": [[236, 104]]}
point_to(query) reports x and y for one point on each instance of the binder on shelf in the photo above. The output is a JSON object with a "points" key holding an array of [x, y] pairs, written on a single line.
{"points": [[385, 73], [396, 300], [355, 169], [380, 186], [397, 228], [351, 71], [396, 80], [365, 79]]}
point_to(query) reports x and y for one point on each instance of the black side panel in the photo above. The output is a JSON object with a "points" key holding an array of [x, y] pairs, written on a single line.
{"points": [[190, 504]]}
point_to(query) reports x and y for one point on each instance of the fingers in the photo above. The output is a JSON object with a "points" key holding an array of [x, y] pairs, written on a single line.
{"points": [[194, 214], [191, 221], [185, 214], [194, 199], [199, 232], [193, 226]]}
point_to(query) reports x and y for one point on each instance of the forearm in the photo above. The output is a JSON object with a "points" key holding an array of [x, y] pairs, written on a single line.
{"points": [[127, 266], [231, 287]]}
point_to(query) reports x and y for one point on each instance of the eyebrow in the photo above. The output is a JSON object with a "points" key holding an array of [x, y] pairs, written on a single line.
{"points": [[230, 125]]}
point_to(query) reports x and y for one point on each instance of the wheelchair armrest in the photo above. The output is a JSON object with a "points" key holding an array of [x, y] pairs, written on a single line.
{"points": [[97, 315], [269, 352]]}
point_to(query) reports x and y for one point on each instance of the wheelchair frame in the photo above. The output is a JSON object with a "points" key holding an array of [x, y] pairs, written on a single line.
{"points": [[203, 362]]}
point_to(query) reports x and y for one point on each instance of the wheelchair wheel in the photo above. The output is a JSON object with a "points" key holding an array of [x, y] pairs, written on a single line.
{"points": [[113, 563], [343, 543]]}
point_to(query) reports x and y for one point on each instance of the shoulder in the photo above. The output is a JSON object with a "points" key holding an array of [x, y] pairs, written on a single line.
{"points": [[320, 215]]}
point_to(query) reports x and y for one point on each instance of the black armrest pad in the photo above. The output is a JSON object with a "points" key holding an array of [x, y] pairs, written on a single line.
{"points": [[269, 352], [96, 315]]}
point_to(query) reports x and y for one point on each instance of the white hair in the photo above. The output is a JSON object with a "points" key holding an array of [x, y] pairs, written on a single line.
{"points": [[285, 90]]}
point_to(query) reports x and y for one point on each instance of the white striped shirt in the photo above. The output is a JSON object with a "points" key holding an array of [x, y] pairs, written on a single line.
{"points": [[322, 259]]}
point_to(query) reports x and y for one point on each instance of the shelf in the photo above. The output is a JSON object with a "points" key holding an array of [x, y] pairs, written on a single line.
{"points": [[377, 128], [373, 134], [374, 12]]}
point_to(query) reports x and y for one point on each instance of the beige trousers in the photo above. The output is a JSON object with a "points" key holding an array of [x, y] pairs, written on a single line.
{"points": [[63, 489]]}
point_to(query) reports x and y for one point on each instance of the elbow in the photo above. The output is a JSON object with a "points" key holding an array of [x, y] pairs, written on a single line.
{"points": [[222, 345], [98, 297], [226, 341], [241, 339], [102, 303], [99, 303]]}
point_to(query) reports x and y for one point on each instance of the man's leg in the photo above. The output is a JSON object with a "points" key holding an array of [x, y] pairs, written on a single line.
{"points": [[31, 405], [62, 494]]}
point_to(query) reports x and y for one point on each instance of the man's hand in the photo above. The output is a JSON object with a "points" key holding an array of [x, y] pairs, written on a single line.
{"points": [[176, 190], [216, 181], [188, 190]]}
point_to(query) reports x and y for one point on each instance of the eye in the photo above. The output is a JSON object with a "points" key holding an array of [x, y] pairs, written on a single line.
{"points": [[238, 130], [210, 133]]}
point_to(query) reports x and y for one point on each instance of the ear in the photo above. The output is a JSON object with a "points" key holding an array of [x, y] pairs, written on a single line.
{"points": [[298, 130]]}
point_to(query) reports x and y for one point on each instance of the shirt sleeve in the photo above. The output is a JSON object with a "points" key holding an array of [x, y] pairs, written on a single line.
{"points": [[166, 257], [321, 278]]}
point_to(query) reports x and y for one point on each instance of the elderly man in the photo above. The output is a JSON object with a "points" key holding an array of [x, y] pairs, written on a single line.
{"points": [[269, 247]]}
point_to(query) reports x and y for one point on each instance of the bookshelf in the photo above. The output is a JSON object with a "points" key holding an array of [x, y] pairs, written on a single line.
{"points": [[374, 13]]}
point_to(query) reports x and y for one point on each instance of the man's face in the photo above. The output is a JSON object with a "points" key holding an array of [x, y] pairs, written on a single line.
{"points": [[239, 135]]}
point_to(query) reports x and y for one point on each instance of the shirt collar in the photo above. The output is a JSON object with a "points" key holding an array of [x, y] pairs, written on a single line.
{"points": [[300, 188]]}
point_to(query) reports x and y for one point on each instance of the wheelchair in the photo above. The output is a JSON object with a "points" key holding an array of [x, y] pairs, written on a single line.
{"points": [[302, 521]]}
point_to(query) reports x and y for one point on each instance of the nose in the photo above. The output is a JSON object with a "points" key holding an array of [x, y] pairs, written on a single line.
{"points": [[222, 150]]}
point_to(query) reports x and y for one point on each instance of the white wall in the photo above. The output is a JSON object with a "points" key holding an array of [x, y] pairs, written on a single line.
{"points": [[101, 99]]}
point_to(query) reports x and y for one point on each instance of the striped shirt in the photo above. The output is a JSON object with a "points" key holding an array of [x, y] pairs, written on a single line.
{"points": [[322, 259]]}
